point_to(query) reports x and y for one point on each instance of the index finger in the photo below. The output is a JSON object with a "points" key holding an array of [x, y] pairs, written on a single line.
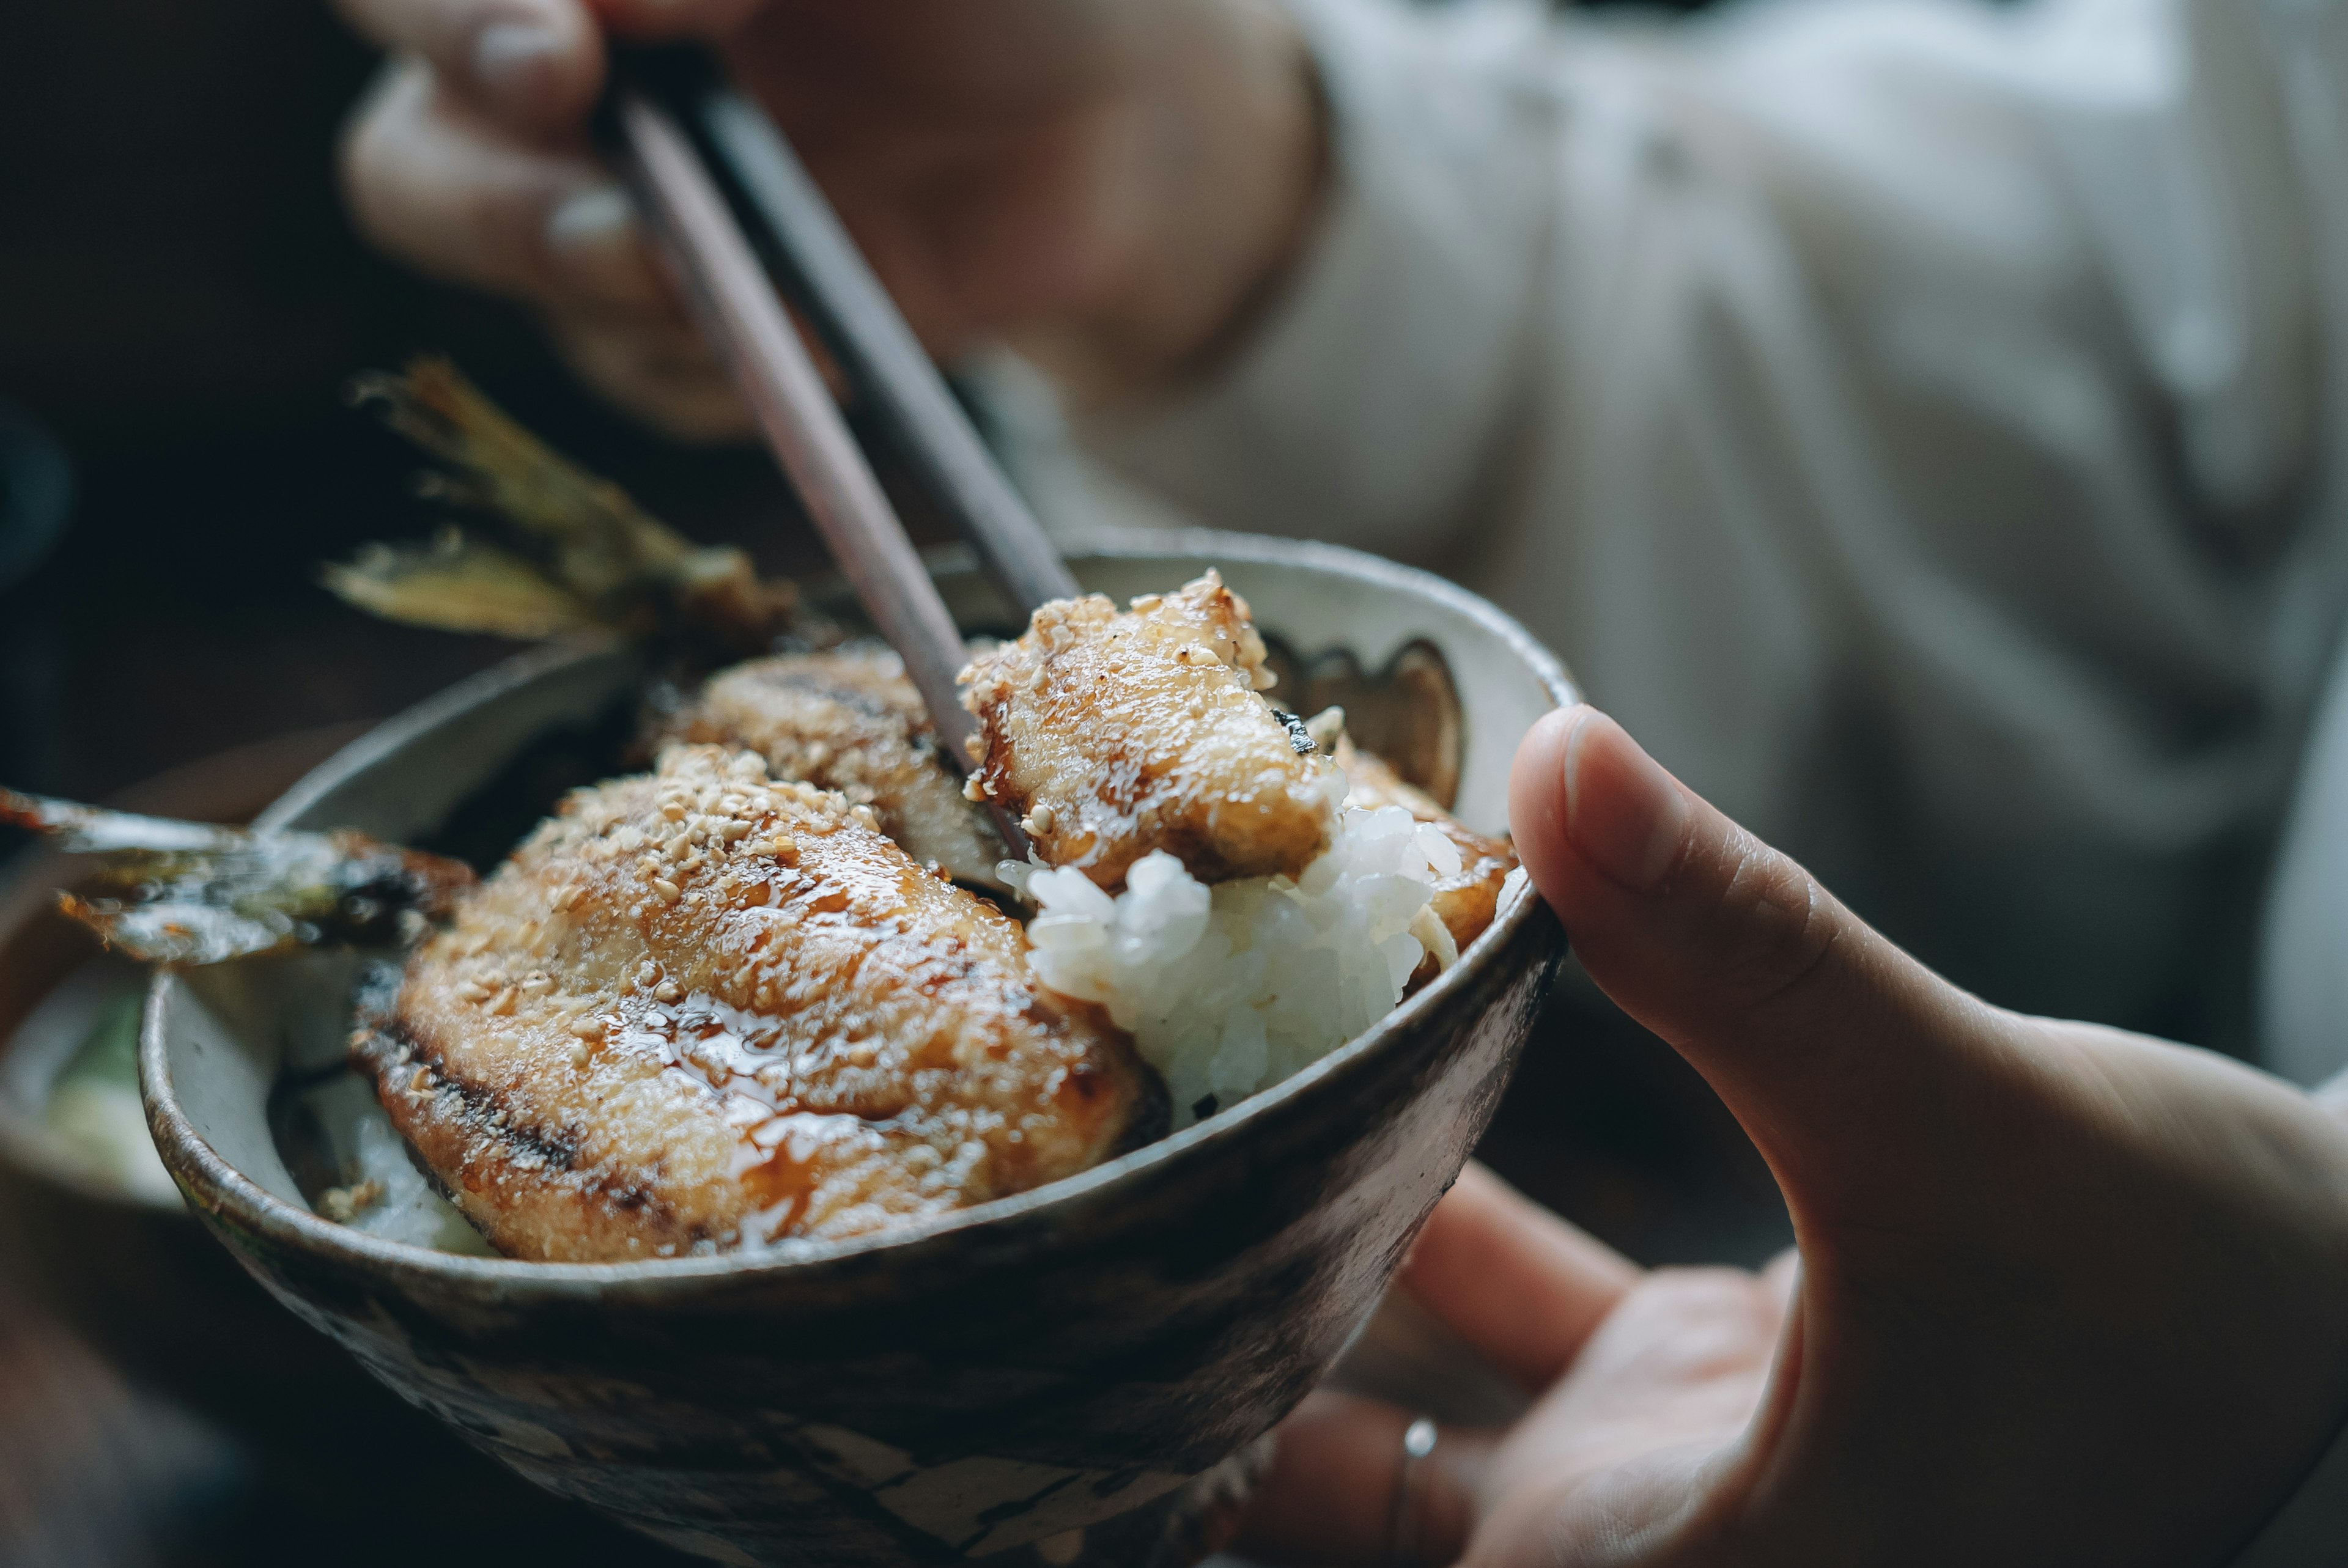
{"points": [[1517, 1283], [534, 66]]}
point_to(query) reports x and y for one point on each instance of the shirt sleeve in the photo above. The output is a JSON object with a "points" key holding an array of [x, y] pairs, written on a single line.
{"points": [[1365, 402], [1378, 386]]}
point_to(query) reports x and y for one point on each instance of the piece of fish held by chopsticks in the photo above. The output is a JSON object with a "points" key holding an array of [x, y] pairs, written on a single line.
{"points": [[1117, 732], [586, 555], [702, 1009], [190, 893], [848, 721]]}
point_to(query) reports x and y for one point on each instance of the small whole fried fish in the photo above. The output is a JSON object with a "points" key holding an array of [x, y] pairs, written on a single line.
{"points": [[1116, 733], [170, 892], [582, 552], [700, 1010], [849, 721]]}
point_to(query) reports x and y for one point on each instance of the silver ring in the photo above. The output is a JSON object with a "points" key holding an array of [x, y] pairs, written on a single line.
{"points": [[1403, 1527]]}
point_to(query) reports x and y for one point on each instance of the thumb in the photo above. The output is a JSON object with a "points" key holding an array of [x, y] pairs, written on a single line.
{"points": [[1838, 1053]]}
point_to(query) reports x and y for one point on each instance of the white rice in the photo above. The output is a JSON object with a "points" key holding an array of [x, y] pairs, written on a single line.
{"points": [[405, 1207], [388, 1196], [1231, 989]]}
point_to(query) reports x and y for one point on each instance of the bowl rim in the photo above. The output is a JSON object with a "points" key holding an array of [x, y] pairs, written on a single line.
{"points": [[216, 1187]]}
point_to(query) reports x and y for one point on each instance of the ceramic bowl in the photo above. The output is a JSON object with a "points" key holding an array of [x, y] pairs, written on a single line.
{"points": [[988, 1384]]}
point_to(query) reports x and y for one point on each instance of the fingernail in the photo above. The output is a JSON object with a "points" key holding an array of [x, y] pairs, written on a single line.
{"points": [[592, 236], [511, 58], [1625, 813]]}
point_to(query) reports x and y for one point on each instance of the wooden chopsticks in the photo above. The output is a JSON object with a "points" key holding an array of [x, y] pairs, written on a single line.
{"points": [[730, 291], [824, 276], [810, 257]]}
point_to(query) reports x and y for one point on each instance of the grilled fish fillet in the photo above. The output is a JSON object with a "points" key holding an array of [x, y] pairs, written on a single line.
{"points": [[1116, 733], [849, 722], [1465, 901], [698, 1009]]}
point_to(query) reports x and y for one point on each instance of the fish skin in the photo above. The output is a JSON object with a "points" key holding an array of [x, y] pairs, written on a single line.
{"points": [[1116, 733], [882, 1052], [849, 721]]}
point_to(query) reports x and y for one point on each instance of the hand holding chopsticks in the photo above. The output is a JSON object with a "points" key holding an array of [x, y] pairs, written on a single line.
{"points": [[656, 102]]}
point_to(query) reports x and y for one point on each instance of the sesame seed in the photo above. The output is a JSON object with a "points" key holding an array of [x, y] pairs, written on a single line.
{"points": [[665, 890], [503, 1006]]}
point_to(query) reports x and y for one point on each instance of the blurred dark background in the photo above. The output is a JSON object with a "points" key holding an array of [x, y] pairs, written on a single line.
{"points": [[182, 305], [181, 302]]}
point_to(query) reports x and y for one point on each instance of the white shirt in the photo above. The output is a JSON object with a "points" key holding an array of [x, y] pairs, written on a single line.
{"points": [[1906, 417], [1919, 422]]}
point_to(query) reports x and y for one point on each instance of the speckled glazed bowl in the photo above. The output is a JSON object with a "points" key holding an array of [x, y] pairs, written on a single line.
{"points": [[1028, 1380]]}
